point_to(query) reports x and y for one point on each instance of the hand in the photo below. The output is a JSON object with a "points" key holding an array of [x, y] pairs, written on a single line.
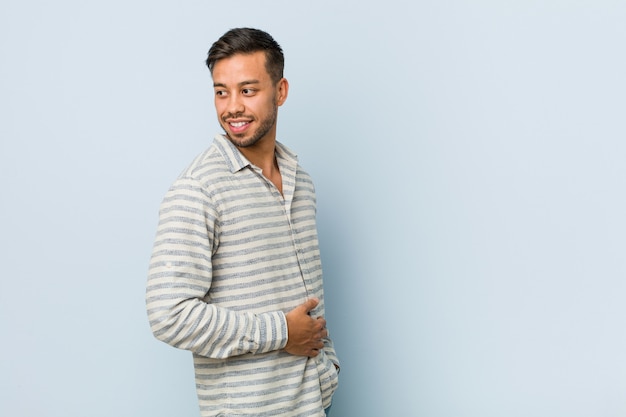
{"points": [[305, 333]]}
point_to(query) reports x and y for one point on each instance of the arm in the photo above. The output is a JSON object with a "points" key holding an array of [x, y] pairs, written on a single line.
{"points": [[180, 277]]}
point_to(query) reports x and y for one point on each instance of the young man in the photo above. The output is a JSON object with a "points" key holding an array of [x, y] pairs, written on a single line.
{"points": [[235, 275]]}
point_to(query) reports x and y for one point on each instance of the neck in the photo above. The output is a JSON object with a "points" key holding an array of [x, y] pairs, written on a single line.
{"points": [[261, 154]]}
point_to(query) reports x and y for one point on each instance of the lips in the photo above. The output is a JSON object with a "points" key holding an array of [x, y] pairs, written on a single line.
{"points": [[238, 126]]}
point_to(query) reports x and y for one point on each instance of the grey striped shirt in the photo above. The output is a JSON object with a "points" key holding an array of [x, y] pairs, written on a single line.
{"points": [[231, 257]]}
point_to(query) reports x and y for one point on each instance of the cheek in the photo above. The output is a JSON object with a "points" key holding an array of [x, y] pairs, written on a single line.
{"points": [[219, 107], [266, 105]]}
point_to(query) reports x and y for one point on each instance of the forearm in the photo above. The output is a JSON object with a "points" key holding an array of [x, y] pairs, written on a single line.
{"points": [[211, 331], [181, 276]]}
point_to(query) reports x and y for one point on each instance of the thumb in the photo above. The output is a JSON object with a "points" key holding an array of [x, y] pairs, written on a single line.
{"points": [[310, 304]]}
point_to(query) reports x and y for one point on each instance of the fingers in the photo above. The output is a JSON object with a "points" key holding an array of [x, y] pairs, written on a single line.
{"points": [[306, 333], [316, 350], [320, 326], [310, 304]]}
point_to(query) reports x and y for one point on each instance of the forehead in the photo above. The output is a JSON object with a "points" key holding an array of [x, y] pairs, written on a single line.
{"points": [[240, 67]]}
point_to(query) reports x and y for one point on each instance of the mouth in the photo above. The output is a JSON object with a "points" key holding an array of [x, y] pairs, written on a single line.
{"points": [[238, 126]]}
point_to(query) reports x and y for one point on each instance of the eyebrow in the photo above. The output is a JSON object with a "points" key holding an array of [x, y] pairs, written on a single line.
{"points": [[241, 84]]}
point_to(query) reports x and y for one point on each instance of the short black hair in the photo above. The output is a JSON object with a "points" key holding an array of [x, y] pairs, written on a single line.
{"points": [[248, 41]]}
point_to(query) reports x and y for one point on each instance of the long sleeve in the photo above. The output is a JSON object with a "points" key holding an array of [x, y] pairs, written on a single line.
{"points": [[232, 256], [179, 307]]}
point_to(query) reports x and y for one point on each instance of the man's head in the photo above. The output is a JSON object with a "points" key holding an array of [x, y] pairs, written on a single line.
{"points": [[247, 70], [248, 41]]}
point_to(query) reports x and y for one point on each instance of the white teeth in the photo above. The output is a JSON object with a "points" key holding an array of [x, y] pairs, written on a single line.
{"points": [[238, 124]]}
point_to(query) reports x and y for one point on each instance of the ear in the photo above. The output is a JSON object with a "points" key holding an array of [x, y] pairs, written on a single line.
{"points": [[282, 91]]}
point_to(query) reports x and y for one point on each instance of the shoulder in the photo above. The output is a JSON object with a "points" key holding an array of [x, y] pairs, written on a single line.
{"points": [[195, 183], [205, 164]]}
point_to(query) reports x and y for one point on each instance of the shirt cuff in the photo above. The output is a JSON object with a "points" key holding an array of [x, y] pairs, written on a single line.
{"points": [[271, 332]]}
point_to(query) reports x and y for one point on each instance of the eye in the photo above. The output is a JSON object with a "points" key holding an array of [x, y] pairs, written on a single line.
{"points": [[248, 92], [220, 93]]}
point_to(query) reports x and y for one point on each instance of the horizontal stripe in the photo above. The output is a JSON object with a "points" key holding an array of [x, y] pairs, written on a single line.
{"points": [[231, 257]]}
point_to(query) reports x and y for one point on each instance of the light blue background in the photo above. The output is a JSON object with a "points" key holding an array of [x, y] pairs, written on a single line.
{"points": [[469, 158]]}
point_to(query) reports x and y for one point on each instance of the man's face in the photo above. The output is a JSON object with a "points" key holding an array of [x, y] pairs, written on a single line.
{"points": [[246, 98]]}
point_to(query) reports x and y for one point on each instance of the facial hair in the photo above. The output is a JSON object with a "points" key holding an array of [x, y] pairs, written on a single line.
{"points": [[264, 127]]}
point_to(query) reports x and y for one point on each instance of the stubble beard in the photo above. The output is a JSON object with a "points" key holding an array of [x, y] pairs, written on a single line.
{"points": [[265, 126]]}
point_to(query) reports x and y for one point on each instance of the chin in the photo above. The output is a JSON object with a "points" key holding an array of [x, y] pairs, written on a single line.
{"points": [[243, 142]]}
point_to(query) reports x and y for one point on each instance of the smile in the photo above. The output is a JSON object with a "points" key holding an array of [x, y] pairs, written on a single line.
{"points": [[238, 124]]}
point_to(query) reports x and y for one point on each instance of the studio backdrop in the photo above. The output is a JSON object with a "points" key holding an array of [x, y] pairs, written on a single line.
{"points": [[469, 160]]}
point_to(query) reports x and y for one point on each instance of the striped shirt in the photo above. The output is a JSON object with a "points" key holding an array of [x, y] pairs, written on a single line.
{"points": [[231, 257]]}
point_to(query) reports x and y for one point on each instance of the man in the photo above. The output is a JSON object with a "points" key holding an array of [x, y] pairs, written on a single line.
{"points": [[235, 275]]}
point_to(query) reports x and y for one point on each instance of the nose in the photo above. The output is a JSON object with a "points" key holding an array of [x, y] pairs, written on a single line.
{"points": [[235, 105]]}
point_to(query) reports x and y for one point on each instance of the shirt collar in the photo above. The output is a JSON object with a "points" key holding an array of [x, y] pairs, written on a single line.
{"points": [[235, 159]]}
